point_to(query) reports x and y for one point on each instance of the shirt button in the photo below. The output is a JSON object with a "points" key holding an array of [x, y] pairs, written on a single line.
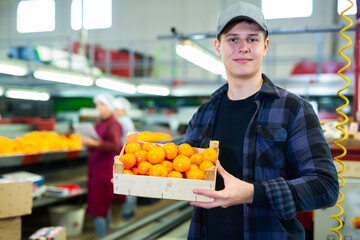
{"points": [[271, 137], [200, 137]]}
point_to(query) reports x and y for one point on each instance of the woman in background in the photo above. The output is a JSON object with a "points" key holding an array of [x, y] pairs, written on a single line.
{"points": [[121, 108], [101, 159]]}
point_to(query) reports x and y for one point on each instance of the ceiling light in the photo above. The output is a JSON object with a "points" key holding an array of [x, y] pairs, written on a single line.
{"points": [[13, 67], [199, 56], [116, 84], [154, 90], [63, 76], [1, 91], [28, 95]]}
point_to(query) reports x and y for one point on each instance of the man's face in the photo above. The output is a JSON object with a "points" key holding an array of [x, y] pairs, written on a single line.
{"points": [[242, 47]]}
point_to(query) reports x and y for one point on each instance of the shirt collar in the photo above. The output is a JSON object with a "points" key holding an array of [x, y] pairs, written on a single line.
{"points": [[267, 88]]}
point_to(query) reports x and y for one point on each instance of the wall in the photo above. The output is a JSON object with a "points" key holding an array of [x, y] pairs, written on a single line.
{"points": [[138, 23]]}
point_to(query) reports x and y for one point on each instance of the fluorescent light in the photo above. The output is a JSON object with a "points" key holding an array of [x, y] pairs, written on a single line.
{"points": [[63, 77], [13, 68], [154, 90], [116, 85], [28, 95], [198, 56], [1, 91]]}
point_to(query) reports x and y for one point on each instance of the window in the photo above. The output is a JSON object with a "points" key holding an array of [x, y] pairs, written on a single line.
{"points": [[275, 9], [36, 16], [343, 4], [97, 14]]}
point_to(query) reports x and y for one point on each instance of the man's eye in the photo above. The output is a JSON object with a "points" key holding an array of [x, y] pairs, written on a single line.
{"points": [[252, 39], [232, 40]]}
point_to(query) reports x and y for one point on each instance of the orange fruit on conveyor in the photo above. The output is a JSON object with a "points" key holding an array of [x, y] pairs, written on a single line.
{"points": [[181, 163], [156, 155]]}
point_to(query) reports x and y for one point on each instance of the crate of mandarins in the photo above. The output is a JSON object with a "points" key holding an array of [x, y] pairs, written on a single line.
{"points": [[165, 171]]}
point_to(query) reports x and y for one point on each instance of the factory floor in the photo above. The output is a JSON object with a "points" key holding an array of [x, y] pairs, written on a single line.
{"points": [[88, 232]]}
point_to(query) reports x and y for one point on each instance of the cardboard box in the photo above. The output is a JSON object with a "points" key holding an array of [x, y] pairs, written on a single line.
{"points": [[49, 233], [16, 198], [10, 228], [162, 187]]}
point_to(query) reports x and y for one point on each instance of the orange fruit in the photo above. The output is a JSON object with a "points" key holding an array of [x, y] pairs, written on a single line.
{"points": [[156, 155], [185, 149], [196, 159], [158, 170], [170, 149], [195, 174], [209, 154], [132, 147], [128, 172], [147, 146], [175, 174], [168, 165], [144, 168], [128, 159], [181, 163], [135, 171], [193, 166], [205, 165], [141, 156]]}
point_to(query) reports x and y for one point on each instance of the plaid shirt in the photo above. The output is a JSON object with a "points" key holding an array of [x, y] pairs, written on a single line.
{"points": [[285, 151]]}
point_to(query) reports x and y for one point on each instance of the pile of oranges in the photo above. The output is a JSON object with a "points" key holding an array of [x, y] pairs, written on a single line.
{"points": [[39, 141], [168, 160], [148, 136]]}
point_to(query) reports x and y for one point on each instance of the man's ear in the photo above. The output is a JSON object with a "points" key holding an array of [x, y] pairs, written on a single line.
{"points": [[217, 47]]}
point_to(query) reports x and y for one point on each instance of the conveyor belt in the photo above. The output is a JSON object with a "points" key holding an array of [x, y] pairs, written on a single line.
{"points": [[155, 224]]}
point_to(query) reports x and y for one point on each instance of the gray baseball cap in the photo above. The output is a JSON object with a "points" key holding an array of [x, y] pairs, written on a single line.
{"points": [[241, 10]]}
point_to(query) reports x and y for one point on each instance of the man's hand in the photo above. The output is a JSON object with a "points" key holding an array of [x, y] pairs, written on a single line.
{"points": [[235, 192]]}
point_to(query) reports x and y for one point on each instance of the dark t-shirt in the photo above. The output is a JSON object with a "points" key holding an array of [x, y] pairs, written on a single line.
{"points": [[231, 124]]}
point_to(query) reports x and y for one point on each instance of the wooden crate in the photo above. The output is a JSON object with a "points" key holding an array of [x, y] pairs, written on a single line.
{"points": [[162, 187]]}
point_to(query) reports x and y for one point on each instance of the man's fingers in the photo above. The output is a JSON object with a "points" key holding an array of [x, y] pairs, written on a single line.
{"points": [[220, 169], [206, 205]]}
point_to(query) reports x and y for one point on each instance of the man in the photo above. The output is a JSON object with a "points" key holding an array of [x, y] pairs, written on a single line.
{"points": [[275, 161]]}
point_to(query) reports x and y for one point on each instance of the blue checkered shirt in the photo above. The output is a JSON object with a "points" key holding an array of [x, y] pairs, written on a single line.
{"points": [[285, 151]]}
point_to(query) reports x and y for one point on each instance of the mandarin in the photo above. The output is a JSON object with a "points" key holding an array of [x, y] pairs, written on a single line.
{"points": [[141, 156], [196, 159], [195, 174], [171, 150], [132, 147], [156, 155], [168, 165], [181, 163], [135, 170], [158, 170], [209, 154], [205, 165], [175, 174], [148, 146], [185, 149], [128, 159], [193, 166], [144, 168], [128, 172]]}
